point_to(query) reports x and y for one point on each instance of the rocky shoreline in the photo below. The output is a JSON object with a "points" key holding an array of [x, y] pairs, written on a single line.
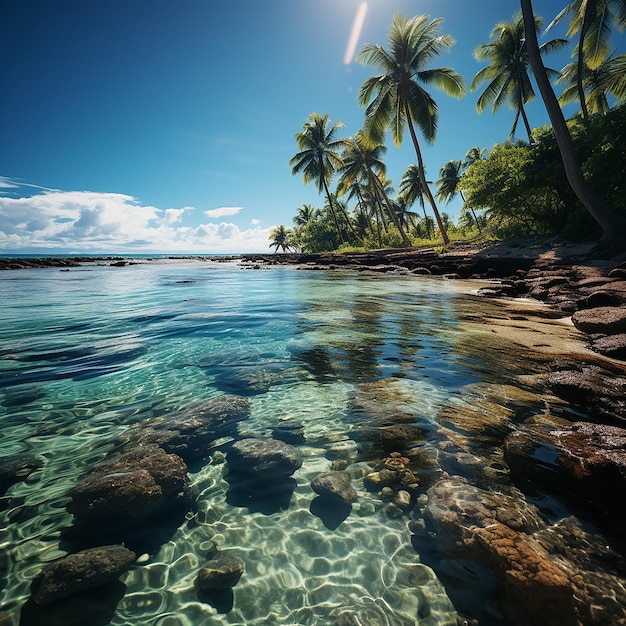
{"points": [[545, 571]]}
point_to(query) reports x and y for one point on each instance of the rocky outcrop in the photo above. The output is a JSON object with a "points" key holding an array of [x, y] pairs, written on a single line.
{"points": [[539, 582], [335, 486], [585, 460], [80, 571], [223, 571], [132, 485], [188, 433], [607, 320], [595, 390], [264, 458]]}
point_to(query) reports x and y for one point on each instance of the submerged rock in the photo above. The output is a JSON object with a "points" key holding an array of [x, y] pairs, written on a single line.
{"points": [[221, 572], [265, 457], [334, 485], [542, 578], [189, 432], [15, 468], [585, 460], [80, 571], [133, 485]]}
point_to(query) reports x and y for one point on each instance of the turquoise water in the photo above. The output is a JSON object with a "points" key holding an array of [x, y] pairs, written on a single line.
{"points": [[88, 353]]}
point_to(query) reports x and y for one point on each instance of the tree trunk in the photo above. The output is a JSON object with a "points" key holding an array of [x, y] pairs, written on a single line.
{"points": [[422, 173], [580, 66], [480, 230], [612, 224], [334, 213]]}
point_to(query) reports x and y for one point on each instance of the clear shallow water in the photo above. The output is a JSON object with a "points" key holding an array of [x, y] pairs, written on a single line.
{"points": [[86, 354]]}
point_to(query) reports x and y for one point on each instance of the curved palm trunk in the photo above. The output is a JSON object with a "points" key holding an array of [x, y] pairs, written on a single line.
{"points": [[392, 213], [613, 225], [580, 65], [473, 213], [422, 173], [529, 131], [332, 210]]}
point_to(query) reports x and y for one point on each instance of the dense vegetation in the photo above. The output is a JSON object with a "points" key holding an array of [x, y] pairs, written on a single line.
{"points": [[514, 188]]}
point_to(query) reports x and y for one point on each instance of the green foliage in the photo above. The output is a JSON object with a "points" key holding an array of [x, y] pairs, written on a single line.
{"points": [[525, 188]]}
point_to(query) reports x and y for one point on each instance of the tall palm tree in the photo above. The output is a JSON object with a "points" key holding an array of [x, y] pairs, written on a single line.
{"points": [[362, 161], [607, 79], [448, 184], [396, 99], [612, 224], [507, 74], [280, 237], [593, 20], [319, 156], [472, 155]]}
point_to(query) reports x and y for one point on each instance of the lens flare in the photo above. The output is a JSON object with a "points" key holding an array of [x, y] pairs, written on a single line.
{"points": [[355, 33]]}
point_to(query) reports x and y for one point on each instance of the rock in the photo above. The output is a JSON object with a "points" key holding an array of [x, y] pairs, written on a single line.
{"points": [[613, 346], [402, 499], [334, 485], [599, 392], [221, 572], [289, 432], [264, 456], [608, 320], [15, 468], [134, 484], [491, 529], [585, 460], [189, 432], [80, 571]]}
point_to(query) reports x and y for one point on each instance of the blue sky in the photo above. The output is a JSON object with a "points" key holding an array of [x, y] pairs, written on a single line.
{"points": [[160, 126]]}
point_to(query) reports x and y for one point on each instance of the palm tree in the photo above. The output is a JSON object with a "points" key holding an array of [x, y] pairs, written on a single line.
{"points": [[607, 79], [280, 237], [507, 74], [395, 99], [362, 162], [305, 214], [448, 184], [592, 19], [319, 158], [472, 155], [613, 225], [412, 189]]}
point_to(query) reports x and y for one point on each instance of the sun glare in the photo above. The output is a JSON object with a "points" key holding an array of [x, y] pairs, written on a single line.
{"points": [[355, 33]]}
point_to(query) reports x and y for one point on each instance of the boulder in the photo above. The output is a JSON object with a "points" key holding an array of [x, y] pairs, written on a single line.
{"points": [[613, 346], [189, 432], [334, 485], [265, 457], [594, 390], [221, 572], [607, 320], [585, 460], [80, 571], [132, 485]]}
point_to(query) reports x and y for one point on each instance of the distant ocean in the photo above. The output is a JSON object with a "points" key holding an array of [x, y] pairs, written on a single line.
{"points": [[87, 354]]}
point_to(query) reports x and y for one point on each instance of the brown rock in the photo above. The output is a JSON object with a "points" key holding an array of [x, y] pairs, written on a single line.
{"points": [[134, 484], [608, 320], [221, 572], [80, 571]]}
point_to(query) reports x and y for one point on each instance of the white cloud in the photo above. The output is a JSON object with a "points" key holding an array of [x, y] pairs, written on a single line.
{"points": [[111, 222], [255, 222], [223, 211]]}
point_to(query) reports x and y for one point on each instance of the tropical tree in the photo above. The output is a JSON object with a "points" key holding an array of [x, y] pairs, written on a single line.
{"points": [[412, 191], [305, 214], [319, 156], [448, 184], [396, 99], [281, 237], [362, 162], [598, 84], [507, 74], [592, 19], [613, 225]]}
